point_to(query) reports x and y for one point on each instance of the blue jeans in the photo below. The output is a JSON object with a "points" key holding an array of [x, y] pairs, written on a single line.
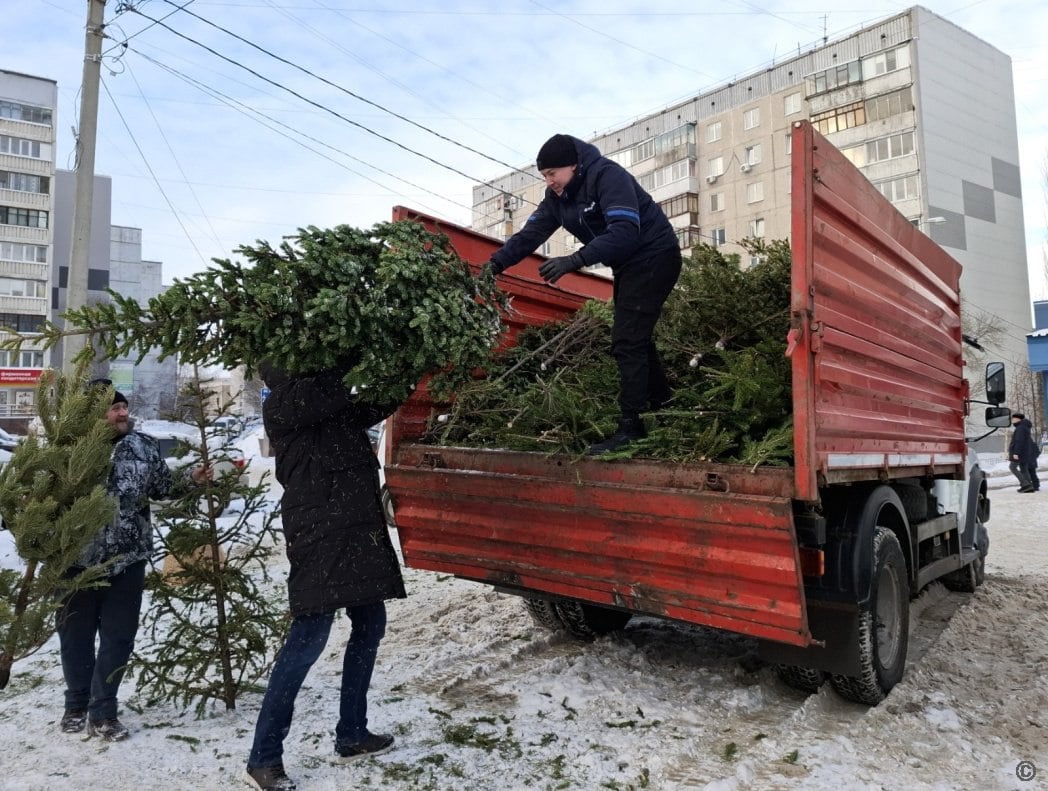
{"points": [[305, 641], [110, 613]]}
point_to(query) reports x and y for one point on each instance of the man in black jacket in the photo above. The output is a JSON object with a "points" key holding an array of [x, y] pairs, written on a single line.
{"points": [[1022, 454], [340, 555], [621, 227]]}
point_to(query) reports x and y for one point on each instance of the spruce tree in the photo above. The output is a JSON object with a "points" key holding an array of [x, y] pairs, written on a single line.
{"points": [[210, 625], [53, 500]]}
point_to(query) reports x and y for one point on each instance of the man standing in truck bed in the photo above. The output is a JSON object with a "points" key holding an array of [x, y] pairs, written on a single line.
{"points": [[621, 227]]}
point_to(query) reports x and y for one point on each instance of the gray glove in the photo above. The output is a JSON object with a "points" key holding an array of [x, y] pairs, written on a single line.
{"points": [[555, 268]]}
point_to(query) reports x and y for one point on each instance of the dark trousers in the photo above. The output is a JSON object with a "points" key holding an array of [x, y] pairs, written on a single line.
{"points": [[305, 641], [640, 291], [110, 614], [1031, 473]]}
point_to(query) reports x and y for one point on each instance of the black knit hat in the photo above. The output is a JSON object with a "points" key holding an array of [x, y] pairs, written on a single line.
{"points": [[557, 152], [118, 397], [1019, 415]]}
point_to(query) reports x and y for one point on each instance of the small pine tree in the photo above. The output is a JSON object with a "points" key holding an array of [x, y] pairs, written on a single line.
{"points": [[53, 500], [209, 626]]}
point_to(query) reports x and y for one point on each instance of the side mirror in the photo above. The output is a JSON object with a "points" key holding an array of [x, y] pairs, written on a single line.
{"points": [[995, 392], [998, 416]]}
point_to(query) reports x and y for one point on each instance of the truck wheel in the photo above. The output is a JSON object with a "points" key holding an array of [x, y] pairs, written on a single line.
{"points": [[589, 620], [387, 508], [884, 626], [544, 614], [967, 579], [806, 679]]}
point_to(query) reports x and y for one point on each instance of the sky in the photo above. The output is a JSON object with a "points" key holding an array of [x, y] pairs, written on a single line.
{"points": [[230, 121]]}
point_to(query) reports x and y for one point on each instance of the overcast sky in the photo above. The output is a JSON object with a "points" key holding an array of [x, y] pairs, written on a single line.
{"points": [[412, 106]]}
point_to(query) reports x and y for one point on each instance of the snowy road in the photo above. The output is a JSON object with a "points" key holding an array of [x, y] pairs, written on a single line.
{"points": [[480, 698]]}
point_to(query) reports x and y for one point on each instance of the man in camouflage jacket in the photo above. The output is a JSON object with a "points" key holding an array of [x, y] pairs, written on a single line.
{"points": [[110, 613]]}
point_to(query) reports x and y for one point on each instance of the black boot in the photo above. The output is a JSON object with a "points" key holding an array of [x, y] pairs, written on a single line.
{"points": [[630, 428]]}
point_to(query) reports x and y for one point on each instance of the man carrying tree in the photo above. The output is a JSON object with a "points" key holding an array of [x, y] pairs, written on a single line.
{"points": [[110, 612], [340, 554]]}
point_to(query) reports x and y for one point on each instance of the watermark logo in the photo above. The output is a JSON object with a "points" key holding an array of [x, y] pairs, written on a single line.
{"points": [[1025, 771]]}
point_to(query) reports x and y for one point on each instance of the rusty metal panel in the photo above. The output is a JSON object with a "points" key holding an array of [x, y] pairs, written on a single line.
{"points": [[711, 545], [877, 366]]}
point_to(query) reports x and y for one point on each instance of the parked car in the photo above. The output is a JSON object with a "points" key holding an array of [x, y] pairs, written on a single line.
{"points": [[8, 442], [230, 425], [179, 443]]}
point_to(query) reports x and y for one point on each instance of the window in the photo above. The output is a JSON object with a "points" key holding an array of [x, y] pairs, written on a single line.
{"points": [[12, 287], [718, 237], [884, 62], [688, 203], [30, 359], [791, 104], [755, 260], [678, 143], [715, 166], [895, 103], [752, 154], [889, 147], [899, 189], [757, 228], [834, 77], [19, 322], [755, 192], [19, 147], [32, 218], [25, 112], [624, 157], [717, 201], [675, 172], [646, 181], [688, 237], [642, 151], [751, 119], [24, 182], [17, 251], [789, 144], [840, 118], [713, 132]]}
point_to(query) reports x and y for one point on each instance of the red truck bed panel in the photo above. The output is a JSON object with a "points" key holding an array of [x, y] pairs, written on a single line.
{"points": [[877, 370]]}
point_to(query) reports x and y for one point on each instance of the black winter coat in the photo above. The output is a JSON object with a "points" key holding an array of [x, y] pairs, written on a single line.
{"points": [[605, 208], [337, 540], [1022, 444]]}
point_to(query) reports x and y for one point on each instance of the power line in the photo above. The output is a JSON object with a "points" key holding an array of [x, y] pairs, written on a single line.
{"points": [[356, 96], [156, 181], [318, 105]]}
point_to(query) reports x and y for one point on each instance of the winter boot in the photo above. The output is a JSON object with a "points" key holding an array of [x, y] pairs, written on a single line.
{"points": [[110, 730], [630, 428], [373, 744], [73, 721], [271, 778]]}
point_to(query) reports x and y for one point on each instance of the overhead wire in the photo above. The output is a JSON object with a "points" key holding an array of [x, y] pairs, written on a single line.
{"points": [[152, 173], [356, 96], [257, 114]]}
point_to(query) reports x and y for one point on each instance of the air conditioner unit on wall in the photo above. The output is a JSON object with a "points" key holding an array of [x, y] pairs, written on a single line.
{"points": [[745, 167], [711, 179]]}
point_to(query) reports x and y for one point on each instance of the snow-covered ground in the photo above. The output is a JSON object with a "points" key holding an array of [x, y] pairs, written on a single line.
{"points": [[480, 698]]}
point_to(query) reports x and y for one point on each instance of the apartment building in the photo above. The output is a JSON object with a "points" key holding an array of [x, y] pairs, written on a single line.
{"points": [[27, 167], [924, 108]]}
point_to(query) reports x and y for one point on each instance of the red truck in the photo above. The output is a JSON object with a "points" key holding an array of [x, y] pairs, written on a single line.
{"points": [[818, 561]]}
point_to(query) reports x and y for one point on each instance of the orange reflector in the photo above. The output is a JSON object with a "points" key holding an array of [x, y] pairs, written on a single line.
{"points": [[813, 562]]}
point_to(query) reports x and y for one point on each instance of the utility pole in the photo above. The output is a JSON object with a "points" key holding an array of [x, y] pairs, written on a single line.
{"points": [[76, 293]]}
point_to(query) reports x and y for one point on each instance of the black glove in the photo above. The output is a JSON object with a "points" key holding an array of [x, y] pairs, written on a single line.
{"points": [[555, 268]]}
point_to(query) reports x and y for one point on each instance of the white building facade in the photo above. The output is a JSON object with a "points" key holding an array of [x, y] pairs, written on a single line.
{"points": [[924, 108]]}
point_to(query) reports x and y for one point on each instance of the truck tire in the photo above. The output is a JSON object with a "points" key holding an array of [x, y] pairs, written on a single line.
{"points": [[805, 679], [967, 579], [588, 621], [544, 614], [884, 626]]}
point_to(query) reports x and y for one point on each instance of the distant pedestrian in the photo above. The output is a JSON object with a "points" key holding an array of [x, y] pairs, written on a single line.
{"points": [[620, 226], [1022, 454], [340, 553]]}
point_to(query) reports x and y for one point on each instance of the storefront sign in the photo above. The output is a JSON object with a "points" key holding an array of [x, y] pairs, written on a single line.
{"points": [[20, 376]]}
